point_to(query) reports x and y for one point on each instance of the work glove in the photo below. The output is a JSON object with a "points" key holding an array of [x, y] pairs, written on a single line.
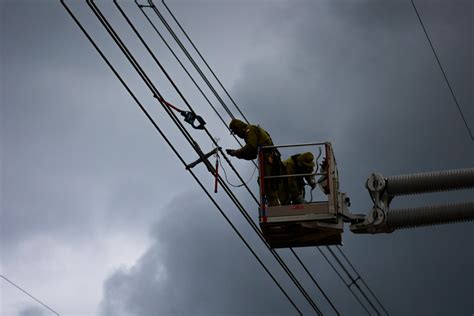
{"points": [[231, 152]]}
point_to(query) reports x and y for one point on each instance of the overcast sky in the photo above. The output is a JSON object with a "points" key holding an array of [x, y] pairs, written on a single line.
{"points": [[98, 217]]}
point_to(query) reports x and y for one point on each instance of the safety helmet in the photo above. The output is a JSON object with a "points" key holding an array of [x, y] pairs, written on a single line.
{"points": [[306, 160], [237, 126]]}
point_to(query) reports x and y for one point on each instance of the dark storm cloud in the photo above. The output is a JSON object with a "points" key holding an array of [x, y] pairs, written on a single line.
{"points": [[71, 142], [32, 311], [196, 266], [364, 78], [360, 75]]}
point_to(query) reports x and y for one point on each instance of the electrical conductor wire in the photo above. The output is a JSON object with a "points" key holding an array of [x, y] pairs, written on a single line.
{"points": [[442, 70], [202, 58], [28, 294], [241, 209], [175, 151], [148, 82], [225, 174], [342, 279], [361, 279], [353, 281], [235, 200], [205, 62]]}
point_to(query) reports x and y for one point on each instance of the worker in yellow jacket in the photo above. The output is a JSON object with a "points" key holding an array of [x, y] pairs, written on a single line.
{"points": [[255, 137], [292, 188]]}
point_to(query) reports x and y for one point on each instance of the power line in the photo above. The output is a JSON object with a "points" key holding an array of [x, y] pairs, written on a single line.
{"points": [[175, 37], [150, 85], [205, 62], [354, 281], [358, 276], [317, 284], [442, 70], [147, 81], [182, 66], [178, 155], [299, 260], [342, 279], [229, 192], [28, 294], [244, 183], [176, 152], [192, 61]]}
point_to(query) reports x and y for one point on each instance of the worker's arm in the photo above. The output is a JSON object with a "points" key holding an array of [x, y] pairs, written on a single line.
{"points": [[250, 150]]}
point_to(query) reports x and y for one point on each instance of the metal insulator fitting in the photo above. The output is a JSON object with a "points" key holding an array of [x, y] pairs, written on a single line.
{"points": [[375, 183]]}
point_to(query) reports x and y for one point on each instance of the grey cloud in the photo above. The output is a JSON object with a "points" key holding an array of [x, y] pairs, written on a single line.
{"points": [[72, 146], [32, 311], [377, 95], [196, 266], [365, 79], [360, 75]]}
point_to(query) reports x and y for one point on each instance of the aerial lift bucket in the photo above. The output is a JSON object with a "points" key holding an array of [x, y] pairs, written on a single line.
{"points": [[308, 224]]}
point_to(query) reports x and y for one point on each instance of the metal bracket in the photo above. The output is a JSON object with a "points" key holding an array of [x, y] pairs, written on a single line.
{"points": [[191, 118], [344, 202], [203, 158], [375, 221]]}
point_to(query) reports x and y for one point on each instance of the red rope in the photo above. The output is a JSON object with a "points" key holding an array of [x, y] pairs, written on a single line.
{"points": [[169, 104]]}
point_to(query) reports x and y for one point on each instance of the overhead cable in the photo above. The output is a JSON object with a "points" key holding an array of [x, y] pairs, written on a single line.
{"points": [[354, 282], [178, 123], [442, 70], [162, 68], [358, 276], [249, 219], [140, 6], [204, 60], [28, 294], [137, 66], [177, 154], [191, 59], [228, 191], [314, 281], [342, 279]]}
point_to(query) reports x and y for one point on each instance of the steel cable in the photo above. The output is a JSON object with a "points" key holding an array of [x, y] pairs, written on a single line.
{"points": [[136, 65], [198, 69], [442, 70], [150, 85], [342, 279], [200, 55], [244, 183], [228, 191], [177, 153], [183, 67], [205, 62], [362, 280], [28, 294], [353, 280]]}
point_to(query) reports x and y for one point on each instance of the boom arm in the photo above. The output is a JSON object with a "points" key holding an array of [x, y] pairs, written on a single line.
{"points": [[382, 191]]}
